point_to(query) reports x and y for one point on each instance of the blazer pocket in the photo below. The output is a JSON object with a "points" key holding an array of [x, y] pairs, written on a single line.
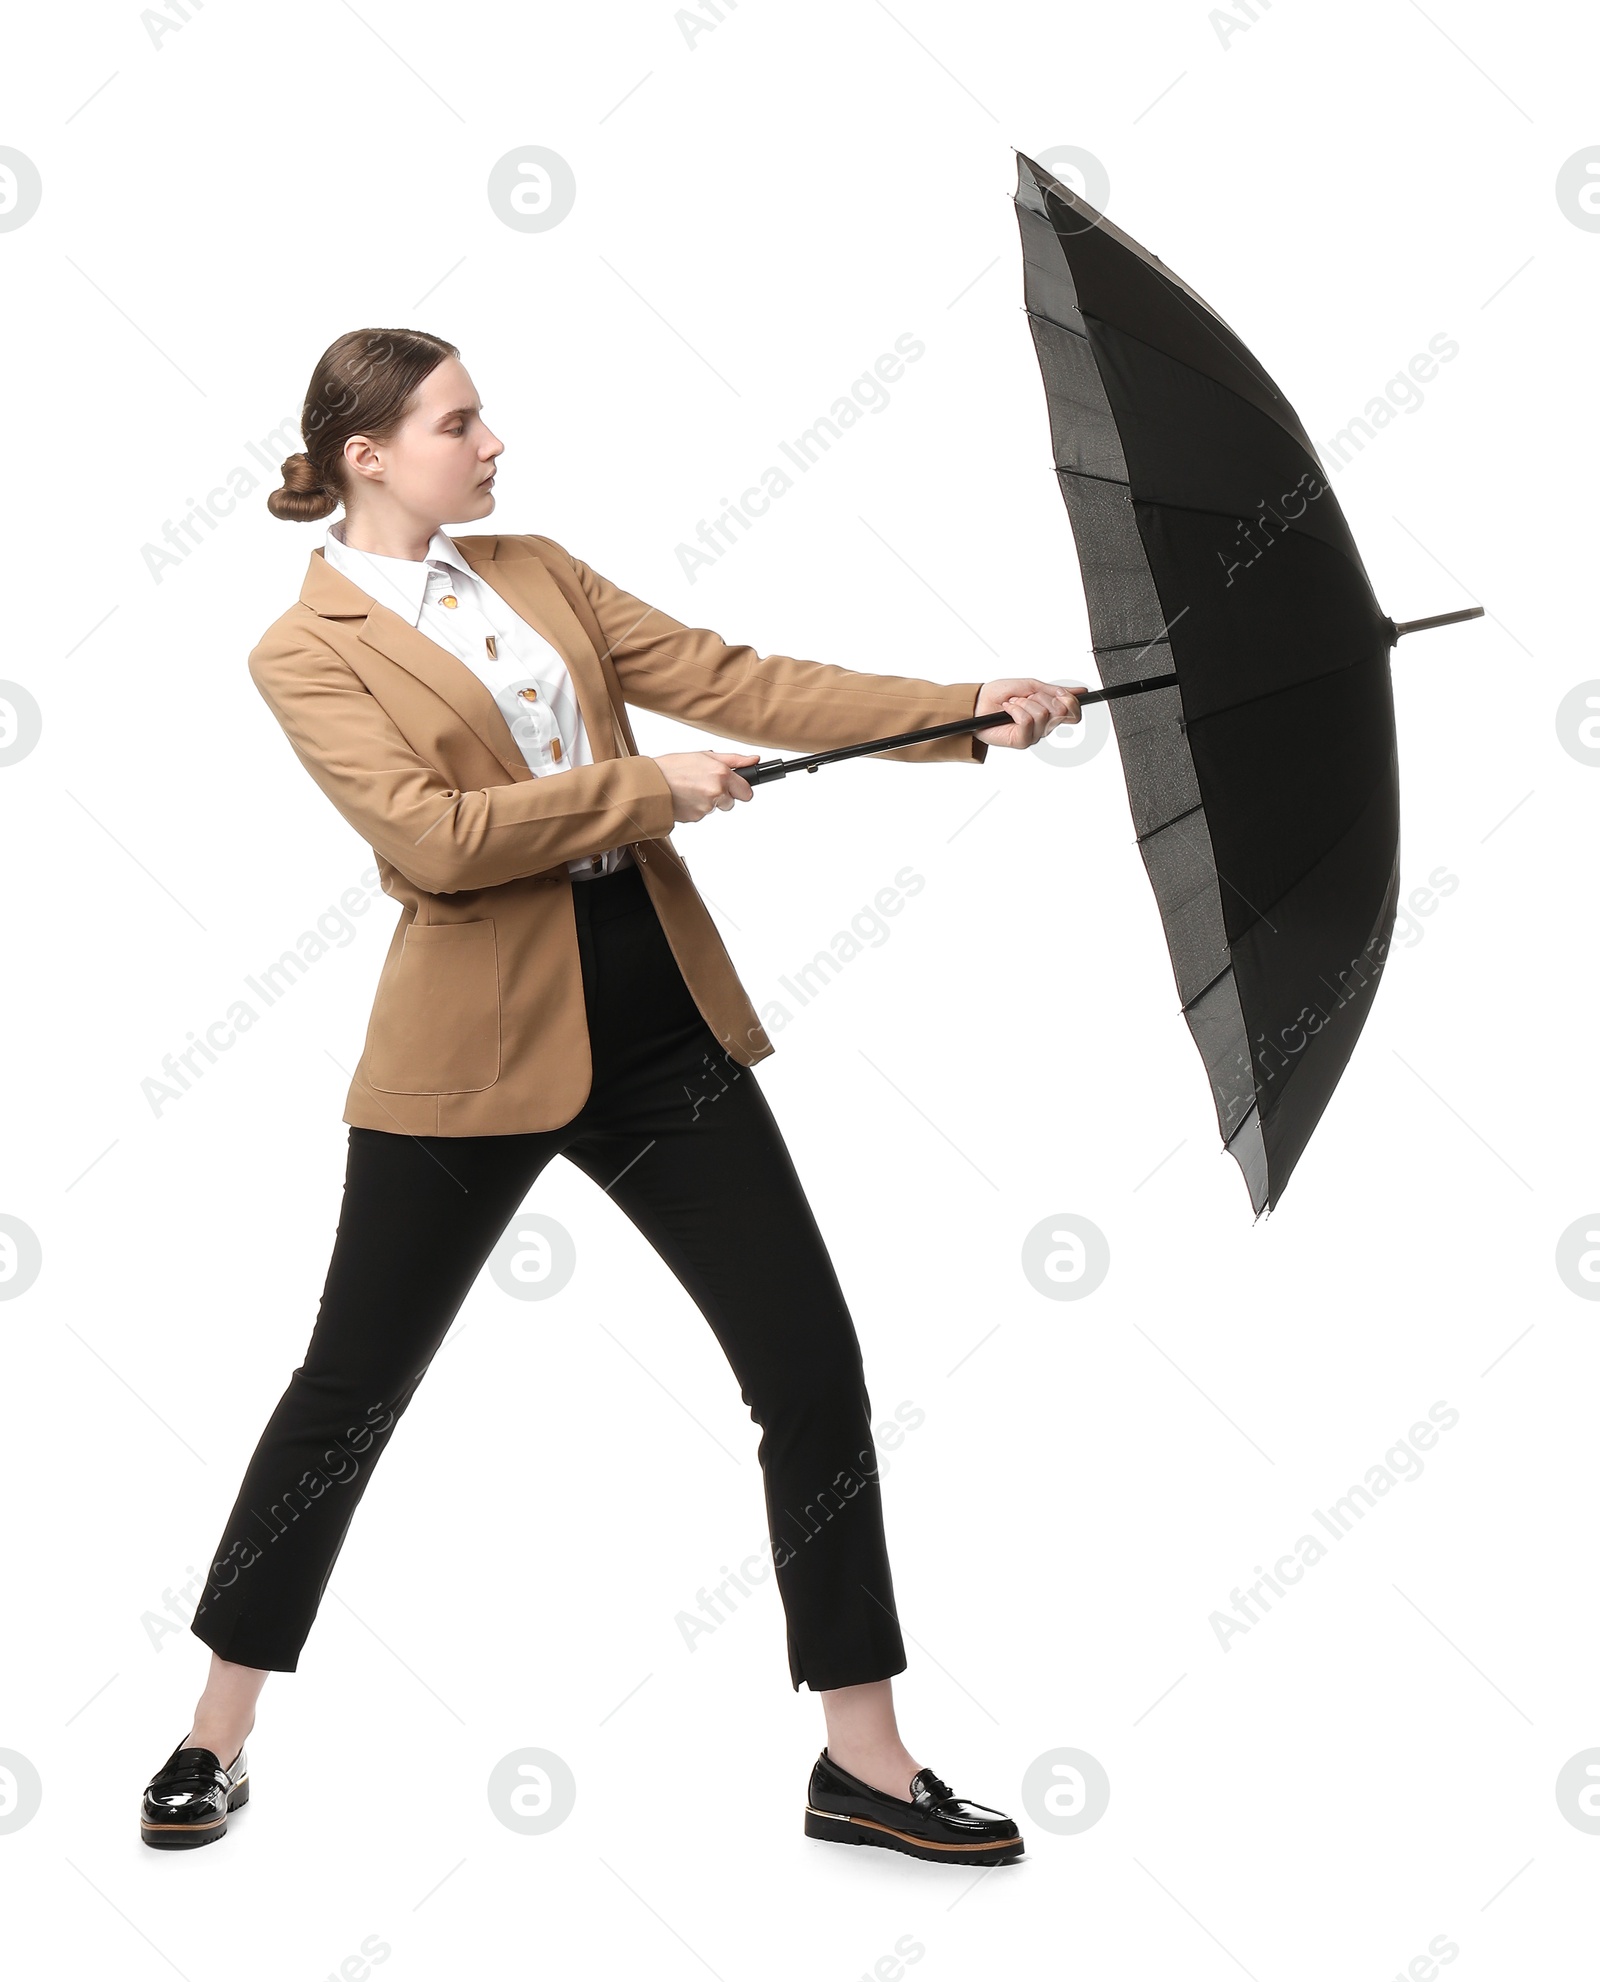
{"points": [[435, 1025]]}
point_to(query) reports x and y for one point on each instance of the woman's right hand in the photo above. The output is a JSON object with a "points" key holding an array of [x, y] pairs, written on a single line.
{"points": [[701, 779]]}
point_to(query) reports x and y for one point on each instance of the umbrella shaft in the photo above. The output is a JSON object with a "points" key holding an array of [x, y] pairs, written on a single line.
{"points": [[1438, 619], [780, 767], [1141, 687]]}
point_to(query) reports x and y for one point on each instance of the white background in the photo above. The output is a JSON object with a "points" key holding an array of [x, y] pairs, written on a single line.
{"points": [[763, 206]]}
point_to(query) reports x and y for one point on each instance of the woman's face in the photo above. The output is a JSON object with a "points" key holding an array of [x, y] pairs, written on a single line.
{"points": [[438, 466]]}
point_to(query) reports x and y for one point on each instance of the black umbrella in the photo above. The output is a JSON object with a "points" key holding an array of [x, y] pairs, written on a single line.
{"points": [[1246, 661]]}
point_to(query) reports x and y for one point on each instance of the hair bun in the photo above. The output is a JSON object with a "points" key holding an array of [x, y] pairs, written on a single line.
{"points": [[304, 497], [299, 476]]}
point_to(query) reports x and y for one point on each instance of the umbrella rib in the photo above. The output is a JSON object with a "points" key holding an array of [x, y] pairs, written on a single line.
{"points": [[1186, 298], [1240, 351], [1229, 515], [1289, 525], [1260, 914], [1253, 1109], [1124, 646], [1187, 812], [1289, 886], [1112, 232], [1205, 509], [1289, 529], [1197, 509], [1084, 474], [1043, 316], [1188, 1006], [1282, 688], [1154, 638], [1295, 431]]}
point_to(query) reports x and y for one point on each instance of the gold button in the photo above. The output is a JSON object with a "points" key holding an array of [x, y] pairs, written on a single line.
{"points": [[489, 643], [555, 748], [529, 694], [449, 599]]}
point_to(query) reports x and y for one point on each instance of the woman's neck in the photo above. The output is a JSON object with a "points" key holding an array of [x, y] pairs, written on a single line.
{"points": [[387, 536]]}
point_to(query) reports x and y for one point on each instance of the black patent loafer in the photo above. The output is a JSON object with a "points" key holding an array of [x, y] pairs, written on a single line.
{"points": [[935, 1823], [187, 1800]]}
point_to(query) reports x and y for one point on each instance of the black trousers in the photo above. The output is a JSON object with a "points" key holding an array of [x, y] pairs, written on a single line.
{"points": [[683, 1140]]}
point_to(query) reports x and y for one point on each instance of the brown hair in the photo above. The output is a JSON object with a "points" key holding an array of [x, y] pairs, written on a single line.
{"points": [[363, 384]]}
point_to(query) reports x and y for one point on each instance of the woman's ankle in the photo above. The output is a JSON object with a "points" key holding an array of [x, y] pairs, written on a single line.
{"points": [[226, 1710], [224, 1735], [888, 1767]]}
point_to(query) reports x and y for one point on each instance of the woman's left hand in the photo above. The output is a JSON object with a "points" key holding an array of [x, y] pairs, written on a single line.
{"points": [[1036, 707]]}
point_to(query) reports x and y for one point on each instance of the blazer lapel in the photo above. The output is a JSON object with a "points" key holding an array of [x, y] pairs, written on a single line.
{"points": [[524, 583], [525, 586]]}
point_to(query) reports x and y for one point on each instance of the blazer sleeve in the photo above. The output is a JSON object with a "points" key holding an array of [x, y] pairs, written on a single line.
{"points": [[443, 840], [772, 700]]}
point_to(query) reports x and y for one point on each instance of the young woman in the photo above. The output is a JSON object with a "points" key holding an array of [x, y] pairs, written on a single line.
{"points": [[554, 986]]}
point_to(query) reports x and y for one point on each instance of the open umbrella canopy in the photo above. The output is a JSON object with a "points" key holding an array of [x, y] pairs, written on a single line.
{"points": [[1246, 662], [1263, 782]]}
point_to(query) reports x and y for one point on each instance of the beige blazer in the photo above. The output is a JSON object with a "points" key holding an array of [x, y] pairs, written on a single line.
{"points": [[477, 1025]]}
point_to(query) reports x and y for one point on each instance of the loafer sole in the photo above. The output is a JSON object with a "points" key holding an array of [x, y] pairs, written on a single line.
{"points": [[184, 1837], [865, 1830]]}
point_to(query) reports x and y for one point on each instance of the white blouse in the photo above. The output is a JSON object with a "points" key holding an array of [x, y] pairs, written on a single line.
{"points": [[444, 598]]}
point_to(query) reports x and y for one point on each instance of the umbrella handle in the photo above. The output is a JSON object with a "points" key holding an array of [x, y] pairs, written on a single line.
{"points": [[780, 767]]}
